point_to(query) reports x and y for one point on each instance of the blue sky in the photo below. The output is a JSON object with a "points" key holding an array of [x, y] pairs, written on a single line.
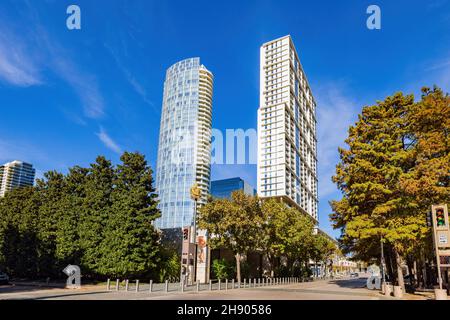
{"points": [[68, 96]]}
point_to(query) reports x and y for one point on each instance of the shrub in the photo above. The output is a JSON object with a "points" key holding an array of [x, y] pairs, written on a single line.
{"points": [[223, 269]]}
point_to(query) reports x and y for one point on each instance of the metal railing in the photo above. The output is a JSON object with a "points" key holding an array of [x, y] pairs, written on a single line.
{"points": [[167, 286]]}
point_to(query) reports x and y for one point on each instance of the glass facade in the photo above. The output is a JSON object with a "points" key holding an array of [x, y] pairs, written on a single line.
{"points": [[224, 188], [184, 142]]}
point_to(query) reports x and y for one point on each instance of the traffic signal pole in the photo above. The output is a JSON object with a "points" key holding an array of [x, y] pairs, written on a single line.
{"points": [[441, 238], [438, 264]]}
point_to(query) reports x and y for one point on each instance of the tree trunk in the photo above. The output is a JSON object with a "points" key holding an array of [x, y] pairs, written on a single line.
{"points": [[270, 259], [424, 270], [389, 264], [273, 264], [316, 269], [420, 282], [398, 261], [238, 267], [410, 272]]}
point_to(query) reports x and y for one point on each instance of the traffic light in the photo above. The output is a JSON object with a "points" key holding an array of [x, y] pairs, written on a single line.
{"points": [[429, 219], [185, 234], [440, 217]]}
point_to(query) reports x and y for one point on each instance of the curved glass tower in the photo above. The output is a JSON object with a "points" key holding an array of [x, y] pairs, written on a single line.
{"points": [[184, 152]]}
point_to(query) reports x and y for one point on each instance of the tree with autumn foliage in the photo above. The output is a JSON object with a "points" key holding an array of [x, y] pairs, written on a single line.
{"points": [[287, 233], [233, 224], [396, 165], [245, 224]]}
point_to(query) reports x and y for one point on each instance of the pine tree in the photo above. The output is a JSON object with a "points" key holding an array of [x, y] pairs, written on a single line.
{"points": [[374, 204], [429, 180], [396, 166], [50, 192], [131, 243], [95, 213], [19, 243], [68, 247]]}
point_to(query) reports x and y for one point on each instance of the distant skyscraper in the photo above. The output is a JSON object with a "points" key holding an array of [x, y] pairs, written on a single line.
{"points": [[15, 174], [287, 154], [224, 188], [184, 152]]}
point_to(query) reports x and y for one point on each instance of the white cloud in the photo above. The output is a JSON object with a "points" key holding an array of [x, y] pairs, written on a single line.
{"points": [[23, 58], [17, 66], [429, 73], [335, 112], [108, 141], [75, 118], [131, 79], [84, 85]]}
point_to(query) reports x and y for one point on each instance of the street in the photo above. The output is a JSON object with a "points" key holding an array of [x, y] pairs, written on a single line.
{"points": [[342, 289]]}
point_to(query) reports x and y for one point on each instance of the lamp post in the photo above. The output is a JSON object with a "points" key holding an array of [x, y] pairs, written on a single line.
{"points": [[195, 195]]}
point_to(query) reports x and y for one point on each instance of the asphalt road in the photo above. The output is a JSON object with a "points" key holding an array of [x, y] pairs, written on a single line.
{"points": [[344, 289]]}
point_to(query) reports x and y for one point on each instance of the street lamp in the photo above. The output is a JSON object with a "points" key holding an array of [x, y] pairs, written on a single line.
{"points": [[195, 195]]}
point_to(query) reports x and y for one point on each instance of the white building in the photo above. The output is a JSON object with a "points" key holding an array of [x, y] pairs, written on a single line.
{"points": [[287, 143], [184, 151], [15, 174]]}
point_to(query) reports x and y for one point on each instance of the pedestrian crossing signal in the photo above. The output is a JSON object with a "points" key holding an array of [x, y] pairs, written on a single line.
{"points": [[429, 219]]}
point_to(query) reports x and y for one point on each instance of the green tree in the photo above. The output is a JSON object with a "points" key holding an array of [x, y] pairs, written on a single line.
{"points": [[19, 243], [98, 217], [95, 213], [322, 249], [131, 243], [235, 224], [170, 265], [287, 232], [69, 216], [50, 192]]}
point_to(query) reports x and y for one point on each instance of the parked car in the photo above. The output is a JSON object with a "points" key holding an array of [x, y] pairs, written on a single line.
{"points": [[354, 275], [4, 279]]}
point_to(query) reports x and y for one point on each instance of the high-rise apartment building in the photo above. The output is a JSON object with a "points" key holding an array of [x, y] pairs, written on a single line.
{"points": [[287, 143], [15, 174], [184, 151]]}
